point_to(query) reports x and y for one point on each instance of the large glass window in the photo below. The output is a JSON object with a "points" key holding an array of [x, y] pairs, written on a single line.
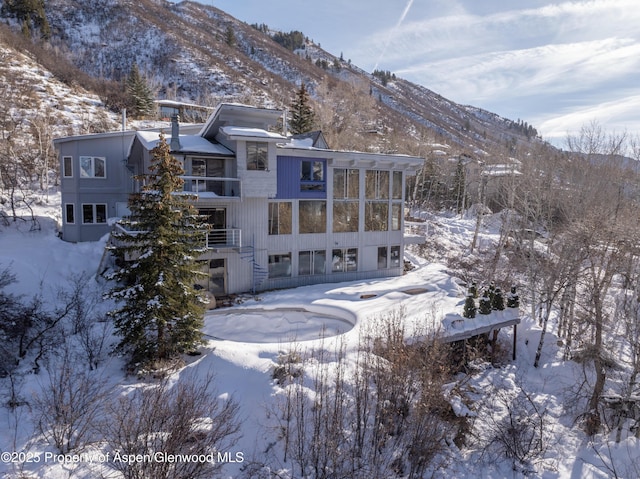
{"points": [[376, 185], [279, 265], [395, 256], [344, 259], [280, 218], [312, 175], [94, 213], [257, 155], [376, 216], [92, 167], [312, 216], [382, 257], [396, 189], [345, 216], [67, 166], [311, 262], [346, 184], [396, 216]]}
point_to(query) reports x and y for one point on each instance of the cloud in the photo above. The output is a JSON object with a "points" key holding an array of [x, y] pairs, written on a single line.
{"points": [[466, 33], [402, 17], [618, 115], [559, 65]]}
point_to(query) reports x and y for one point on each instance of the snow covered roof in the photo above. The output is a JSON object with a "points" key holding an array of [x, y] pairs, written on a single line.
{"points": [[236, 114], [240, 131], [188, 144]]}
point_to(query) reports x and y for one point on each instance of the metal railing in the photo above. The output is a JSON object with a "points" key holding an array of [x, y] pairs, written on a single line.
{"points": [[227, 238], [214, 239], [212, 187]]}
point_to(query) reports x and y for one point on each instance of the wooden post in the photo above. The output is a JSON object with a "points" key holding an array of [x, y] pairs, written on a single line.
{"points": [[515, 336]]}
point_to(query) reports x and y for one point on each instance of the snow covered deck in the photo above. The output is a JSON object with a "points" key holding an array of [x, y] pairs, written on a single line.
{"points": [[428, 300]]}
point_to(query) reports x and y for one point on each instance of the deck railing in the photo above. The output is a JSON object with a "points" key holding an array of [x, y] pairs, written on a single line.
{"points": [[214, 239], [212, 187], [229, 238]]}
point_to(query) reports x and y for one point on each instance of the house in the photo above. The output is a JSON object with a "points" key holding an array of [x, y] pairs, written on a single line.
{"points": [[283, 212]]}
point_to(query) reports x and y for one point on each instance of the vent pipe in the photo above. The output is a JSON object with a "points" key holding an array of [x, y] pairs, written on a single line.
{"points": [[124, 119], [175, 132]]}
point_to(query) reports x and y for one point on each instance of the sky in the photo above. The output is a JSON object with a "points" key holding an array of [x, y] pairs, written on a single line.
{"points": [[558, 66]]}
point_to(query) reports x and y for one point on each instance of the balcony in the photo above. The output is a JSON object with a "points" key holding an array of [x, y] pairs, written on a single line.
{"points": [[214, 239], [212, 187], [224, 238]]}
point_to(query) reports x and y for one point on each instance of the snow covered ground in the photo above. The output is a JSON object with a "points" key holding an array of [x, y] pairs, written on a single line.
{"points": [[244, 343]]}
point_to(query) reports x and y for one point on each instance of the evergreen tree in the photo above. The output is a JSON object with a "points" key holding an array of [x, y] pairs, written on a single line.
{"points": [[469, 307], [139, 95], [497, 301], [230, 36], [302, 115], [513, 300], [473, 289], [29, 13], [160, 312], [485, 304]]}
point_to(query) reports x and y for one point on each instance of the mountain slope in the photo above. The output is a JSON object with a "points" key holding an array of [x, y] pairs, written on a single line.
{"points": [[197, 53]]}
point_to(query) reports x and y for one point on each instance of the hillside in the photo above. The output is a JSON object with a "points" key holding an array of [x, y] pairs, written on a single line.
{"points": [[197, 53]]}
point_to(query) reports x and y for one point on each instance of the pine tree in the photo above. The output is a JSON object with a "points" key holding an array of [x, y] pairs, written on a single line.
{"points": [[302, 115], [513, 300], [473, 289], [497, 302], [469, 307], [230, 36], [30, 13], [485, 304], [160, 313], [139, 95]]}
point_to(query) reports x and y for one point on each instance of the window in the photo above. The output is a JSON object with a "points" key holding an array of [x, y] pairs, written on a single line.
{"points": [[396, 188], [94, 214], [312, 217], [345, 259], [67, 166], [70, 211], [345, 216], [92, 167], [198, 167], [377, 185], [382, 257], [311, 262], [376, 216], [279, 265], [280, 218], [395, 256], [312, 175], [257, 155], [346, 184], [346, 192], [396, 216]]}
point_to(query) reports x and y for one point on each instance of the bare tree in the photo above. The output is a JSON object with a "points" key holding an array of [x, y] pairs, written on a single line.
{"points": [[516, 425], [71, 401], [186, 420], [385, 420]]}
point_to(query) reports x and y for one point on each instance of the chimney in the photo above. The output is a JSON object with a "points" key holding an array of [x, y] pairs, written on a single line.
{"points": [[175, 132]]}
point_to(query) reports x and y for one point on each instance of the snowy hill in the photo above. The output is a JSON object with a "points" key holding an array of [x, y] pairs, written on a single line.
{"points": [[196, 53]]}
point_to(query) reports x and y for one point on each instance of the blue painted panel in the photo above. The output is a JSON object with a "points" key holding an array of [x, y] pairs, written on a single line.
{"points": [[289, 184]]}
